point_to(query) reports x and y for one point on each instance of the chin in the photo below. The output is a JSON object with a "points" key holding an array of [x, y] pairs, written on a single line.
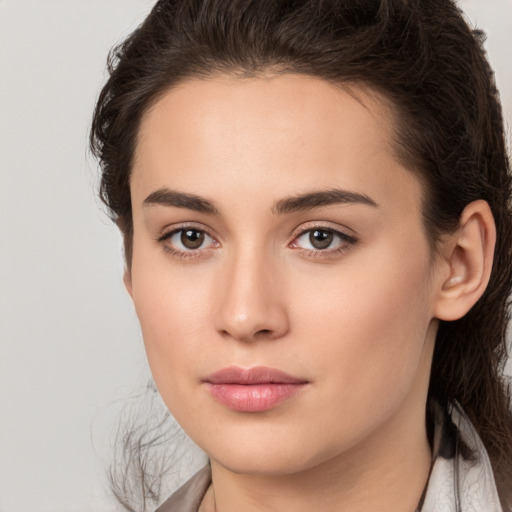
{"points": [[262, 456], [266, 464]]}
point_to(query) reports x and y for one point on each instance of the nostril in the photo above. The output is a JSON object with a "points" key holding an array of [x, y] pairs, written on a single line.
{"points": [[263, 333]]}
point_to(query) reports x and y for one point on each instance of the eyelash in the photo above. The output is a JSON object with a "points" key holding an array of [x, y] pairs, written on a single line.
{"points": [[346, 243], [188, 254]]}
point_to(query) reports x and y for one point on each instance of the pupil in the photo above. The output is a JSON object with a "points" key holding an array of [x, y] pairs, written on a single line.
{"points": [[192, 239], [320, 239]]}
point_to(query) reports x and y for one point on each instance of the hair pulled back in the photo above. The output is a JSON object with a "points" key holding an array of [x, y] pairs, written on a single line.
{"points": [[424, 58]]}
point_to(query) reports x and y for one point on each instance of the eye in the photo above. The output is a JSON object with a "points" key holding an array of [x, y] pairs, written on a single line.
{"points": [[323, 239], [320, 239], [187, 240]]}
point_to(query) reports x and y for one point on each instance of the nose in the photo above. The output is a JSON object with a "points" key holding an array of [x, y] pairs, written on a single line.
{"points": [[251, 301]]}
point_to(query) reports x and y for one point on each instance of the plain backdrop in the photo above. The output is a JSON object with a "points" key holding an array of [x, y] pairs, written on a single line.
{"points": [[70, 346]]}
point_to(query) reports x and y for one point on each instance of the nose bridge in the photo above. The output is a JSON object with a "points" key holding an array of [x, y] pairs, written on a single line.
{"points": [[251, 305]]}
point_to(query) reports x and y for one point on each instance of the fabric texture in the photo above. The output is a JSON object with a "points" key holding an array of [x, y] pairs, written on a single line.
{"points": [[189, 496], [461, 477]]}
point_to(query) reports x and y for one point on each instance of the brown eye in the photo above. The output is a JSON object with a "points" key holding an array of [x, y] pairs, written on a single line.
{"points": [[192, 238], [187, 240], [323, 242], [320, 239]]}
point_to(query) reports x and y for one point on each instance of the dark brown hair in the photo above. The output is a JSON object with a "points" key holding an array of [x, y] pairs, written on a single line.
{"points": [[424, 58]]}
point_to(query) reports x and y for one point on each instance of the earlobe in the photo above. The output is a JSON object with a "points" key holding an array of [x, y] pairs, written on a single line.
{"points": [[468, 254], [127, 280]]}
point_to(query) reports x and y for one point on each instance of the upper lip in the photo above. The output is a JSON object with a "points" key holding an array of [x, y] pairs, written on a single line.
{"points": [[256, 375]]}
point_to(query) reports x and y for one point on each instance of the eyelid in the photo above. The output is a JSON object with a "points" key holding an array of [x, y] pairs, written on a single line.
{"points": [[343, 231], [169, 231], [347, 241]]}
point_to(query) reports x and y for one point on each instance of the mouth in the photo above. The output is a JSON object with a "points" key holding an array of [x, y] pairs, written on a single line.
{"points": [[252, 390]]}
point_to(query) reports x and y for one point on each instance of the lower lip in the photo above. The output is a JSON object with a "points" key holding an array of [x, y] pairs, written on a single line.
{"points": [[253, 397]]}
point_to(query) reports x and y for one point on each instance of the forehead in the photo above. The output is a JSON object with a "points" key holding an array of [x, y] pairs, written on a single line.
{"points": [[281, 131]]}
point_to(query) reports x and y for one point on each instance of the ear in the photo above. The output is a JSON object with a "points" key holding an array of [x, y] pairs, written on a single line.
{"points": [[467, 256], [127, 280]]}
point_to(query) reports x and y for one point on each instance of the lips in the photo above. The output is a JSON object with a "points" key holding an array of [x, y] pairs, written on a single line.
{"points": [[252, 390]]}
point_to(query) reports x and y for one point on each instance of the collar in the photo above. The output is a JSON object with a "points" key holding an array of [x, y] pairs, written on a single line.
{"points": [[461, 478]]}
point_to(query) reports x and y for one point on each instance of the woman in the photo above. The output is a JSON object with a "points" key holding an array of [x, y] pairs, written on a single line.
{"points": [[315, 203]]}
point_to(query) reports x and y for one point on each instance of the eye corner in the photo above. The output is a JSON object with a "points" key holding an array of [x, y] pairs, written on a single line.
{"points": [[198, 243], [331, 241]]}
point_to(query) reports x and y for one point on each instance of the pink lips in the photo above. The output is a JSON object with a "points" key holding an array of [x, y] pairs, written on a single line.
{"points": [[254, 390]]}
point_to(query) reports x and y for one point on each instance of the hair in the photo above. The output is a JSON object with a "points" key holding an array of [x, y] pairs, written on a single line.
{"points": [[420, 55]]}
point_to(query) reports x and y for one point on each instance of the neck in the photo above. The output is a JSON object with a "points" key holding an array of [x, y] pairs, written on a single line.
{"points": [[388, 473]]}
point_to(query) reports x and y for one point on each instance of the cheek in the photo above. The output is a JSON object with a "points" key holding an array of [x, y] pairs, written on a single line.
{"points": [[173, 313], [370, 323]]}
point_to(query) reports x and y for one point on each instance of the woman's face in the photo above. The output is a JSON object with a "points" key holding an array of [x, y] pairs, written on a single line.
{"points": [[276, 232]]}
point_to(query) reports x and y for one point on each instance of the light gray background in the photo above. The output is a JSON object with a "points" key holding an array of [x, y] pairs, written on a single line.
{"points": [[70, 347]]}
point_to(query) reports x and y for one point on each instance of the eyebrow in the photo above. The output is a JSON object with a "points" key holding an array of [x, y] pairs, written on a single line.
{"points": [[166, 197], [321, 198], [308, 201]]}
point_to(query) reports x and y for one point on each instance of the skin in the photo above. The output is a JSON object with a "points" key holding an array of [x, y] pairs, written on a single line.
{"points": [[356, 320]]}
